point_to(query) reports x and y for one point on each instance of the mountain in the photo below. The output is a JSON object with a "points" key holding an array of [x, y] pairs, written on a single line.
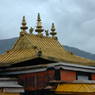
{"points": [[79, 52], [6, 44]]}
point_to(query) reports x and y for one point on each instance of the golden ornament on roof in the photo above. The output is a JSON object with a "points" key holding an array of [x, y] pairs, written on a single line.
{"points": [[53, 33], [39, 28]]}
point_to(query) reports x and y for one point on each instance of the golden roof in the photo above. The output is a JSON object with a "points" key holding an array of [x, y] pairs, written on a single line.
{"points": [[76, 87], [30, 46]]}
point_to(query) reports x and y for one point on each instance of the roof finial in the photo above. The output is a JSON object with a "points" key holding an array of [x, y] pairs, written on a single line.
{"points": [[39, 28], [38, 18], [24, 27], [31, 30], [53, 33]]}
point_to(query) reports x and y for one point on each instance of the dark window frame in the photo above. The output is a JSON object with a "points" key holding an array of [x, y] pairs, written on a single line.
{"points": [[83, 74]]}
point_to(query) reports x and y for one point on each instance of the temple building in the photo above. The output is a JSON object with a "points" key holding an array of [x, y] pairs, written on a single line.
{"points": [[42, 65]]}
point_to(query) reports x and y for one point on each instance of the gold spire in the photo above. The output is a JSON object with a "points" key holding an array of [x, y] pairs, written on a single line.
{"points": [[31, 30], [53, 33], [23, 27], [39, 19], [39, 28]]}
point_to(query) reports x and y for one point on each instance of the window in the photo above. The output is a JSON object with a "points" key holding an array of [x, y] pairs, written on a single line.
{"points": [[83, 76], [57, 74]]}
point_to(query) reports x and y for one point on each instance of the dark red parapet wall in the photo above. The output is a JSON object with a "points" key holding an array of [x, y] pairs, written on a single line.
{"points": [[93, 76], [67, 75], [36, 81]]}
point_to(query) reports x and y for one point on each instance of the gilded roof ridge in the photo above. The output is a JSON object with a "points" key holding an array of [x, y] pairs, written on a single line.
{"points": [[43, 36], [15, 43]]}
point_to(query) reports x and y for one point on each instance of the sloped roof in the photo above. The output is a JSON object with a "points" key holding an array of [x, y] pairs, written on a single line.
{"points": [[7, 82], [31, 46], [75, 87]]}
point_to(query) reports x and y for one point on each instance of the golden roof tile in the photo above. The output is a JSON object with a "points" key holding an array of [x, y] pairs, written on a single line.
{"points": [[28, 46]]}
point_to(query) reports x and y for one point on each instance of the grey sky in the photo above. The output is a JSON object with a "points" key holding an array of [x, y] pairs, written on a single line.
{"points": [[74, 19]]}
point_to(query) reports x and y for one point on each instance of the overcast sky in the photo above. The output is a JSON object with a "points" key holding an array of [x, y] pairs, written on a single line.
{"points": [[74, 19]]}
